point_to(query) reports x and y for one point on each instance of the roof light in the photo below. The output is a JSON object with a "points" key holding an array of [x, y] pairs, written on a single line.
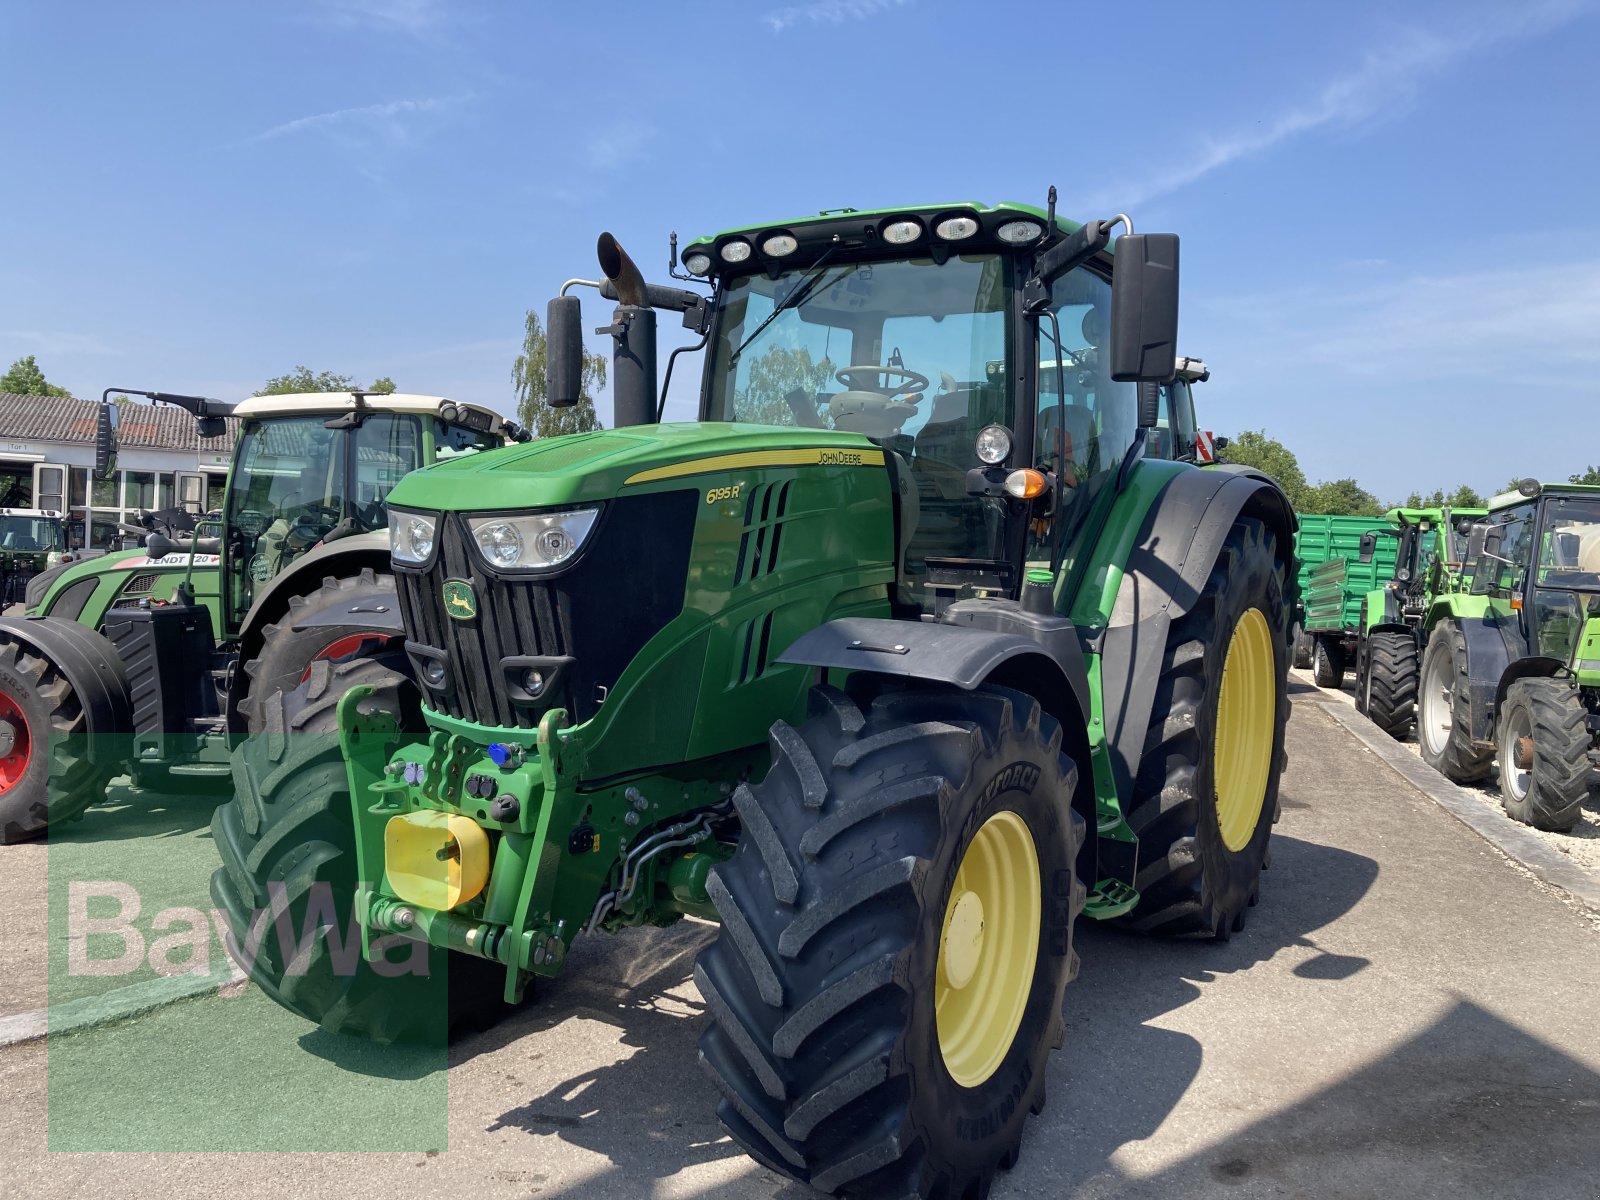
{"points": [[697, 264], [955, 229], [779, 245], [1019, 233], [735, 251], [1529, 487], [902, 233]]}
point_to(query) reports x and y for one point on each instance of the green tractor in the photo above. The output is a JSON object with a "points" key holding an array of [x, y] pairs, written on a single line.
{"points": [[32, 540], [899, 659], [1509, 668], [148, 661], [1430, 560]]}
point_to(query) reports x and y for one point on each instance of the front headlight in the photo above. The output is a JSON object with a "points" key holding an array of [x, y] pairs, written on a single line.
{"points": [[411, 536], [534, 541]]}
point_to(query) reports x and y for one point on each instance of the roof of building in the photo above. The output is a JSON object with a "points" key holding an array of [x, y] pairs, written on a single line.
{"points": [[142, 426]]}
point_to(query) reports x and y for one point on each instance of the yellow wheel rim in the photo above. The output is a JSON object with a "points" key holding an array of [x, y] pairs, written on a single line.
{"points": [[1246, 716], [987, 949]]}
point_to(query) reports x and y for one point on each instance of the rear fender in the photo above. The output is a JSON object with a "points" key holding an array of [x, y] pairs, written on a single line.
{"points": [[1487, 664], [94, 671]]}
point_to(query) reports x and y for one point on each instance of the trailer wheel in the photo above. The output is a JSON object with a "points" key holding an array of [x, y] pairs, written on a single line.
{"points": [[46, 775], [1390, 685], [287, 653], [897, 934], [1545, 773], [1301, 641], [1444, 718], [1327, 663], [1206, 792], [288, 876]]}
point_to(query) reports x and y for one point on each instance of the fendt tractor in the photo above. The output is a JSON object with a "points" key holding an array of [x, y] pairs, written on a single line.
{"points": [[1430, 559], [1513, 659], [894, 662], [145, 661]]}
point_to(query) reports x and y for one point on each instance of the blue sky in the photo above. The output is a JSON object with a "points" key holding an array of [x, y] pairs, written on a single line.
{"points": [[1389, 212]]}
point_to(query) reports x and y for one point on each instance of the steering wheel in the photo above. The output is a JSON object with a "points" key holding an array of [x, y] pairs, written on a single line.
{"points": [[913, 380]]}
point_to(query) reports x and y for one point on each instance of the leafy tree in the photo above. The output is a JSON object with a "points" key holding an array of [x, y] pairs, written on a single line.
{"points": [[1253, 448], [528, 378], [26, 379], [773, 377], [304, 379], [1344, 497], [1591, 475], [1465, 496]]}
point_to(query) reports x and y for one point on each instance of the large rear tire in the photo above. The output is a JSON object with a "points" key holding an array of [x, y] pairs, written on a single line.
{"points": [[46, 775], [287, 845], [1545, 772], [897, 934], [1444, 714], [1206, 792], [287, 653], [1393, 670]]}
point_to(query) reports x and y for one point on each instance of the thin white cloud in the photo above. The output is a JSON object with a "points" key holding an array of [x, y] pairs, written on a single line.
{"points": [[1388, 76], [388, 121], [413, 17], [827, 12]]}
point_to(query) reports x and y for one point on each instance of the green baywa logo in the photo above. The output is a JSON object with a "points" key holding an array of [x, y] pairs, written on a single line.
{"points": [[460, 601]]}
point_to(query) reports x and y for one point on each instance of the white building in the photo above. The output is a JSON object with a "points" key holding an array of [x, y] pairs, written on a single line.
{"points": [[47, 457]]}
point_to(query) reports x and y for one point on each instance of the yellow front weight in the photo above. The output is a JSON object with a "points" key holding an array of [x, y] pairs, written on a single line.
{"points": [[435, 860]]}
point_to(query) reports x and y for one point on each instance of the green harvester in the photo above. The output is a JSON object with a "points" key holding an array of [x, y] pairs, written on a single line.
{"points": [[1511, 667], [904, 655]]}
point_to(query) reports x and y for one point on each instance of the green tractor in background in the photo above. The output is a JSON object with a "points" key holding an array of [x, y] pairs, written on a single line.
{"points": [[901, 657], [1430, 558], [147, 661], [1510, 667]]}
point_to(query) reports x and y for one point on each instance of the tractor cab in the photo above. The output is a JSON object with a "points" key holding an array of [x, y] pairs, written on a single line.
{"points": [[1539, 565]]}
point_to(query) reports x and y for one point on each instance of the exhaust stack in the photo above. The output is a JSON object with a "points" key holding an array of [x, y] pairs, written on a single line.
{"points": [[633, 336]]}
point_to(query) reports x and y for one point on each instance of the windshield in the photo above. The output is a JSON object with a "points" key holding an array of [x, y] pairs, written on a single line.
{"points": [[881, 349], [30, 533], [1569, 546], [292, 488]]}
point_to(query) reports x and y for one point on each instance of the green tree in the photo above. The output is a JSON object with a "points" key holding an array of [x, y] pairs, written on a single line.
{"points": [[1591, 476], [528, 378], [1343, 497], [773, 378], [26, 379], [304, 379], [1253, 448], [1465, 496]]}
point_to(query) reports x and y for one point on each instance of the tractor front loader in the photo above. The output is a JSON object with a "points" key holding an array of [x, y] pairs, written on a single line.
{"points": [[899, 659], [150, 661], [1509, 671]]}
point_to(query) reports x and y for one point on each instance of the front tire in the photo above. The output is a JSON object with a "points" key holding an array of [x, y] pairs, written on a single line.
{"points": [[46, 774], [1206, 793], [897, 934], [1444, 713], [287, 845], [1393, 672], [1545, 772], [1327, 663]]}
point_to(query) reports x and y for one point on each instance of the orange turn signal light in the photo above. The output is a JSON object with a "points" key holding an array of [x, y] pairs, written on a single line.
{"points": [[1026, 483]]}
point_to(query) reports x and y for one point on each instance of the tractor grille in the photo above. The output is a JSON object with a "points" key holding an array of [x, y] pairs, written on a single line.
{"points": [[627, 583]]}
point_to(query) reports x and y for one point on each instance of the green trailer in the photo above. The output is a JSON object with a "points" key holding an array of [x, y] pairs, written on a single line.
{"points": [[151, 661], [1510, 670], [1341, 559], [897, 661]]}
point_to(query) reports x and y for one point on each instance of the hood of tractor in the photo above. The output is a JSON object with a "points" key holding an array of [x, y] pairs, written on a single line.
{"points": [[67, 590]]}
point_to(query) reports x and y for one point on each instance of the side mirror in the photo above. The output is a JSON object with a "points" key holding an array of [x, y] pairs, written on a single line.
{"points": [[211, 427], [1369, 546], [563, 352], [1144, 308], [105, 439]]}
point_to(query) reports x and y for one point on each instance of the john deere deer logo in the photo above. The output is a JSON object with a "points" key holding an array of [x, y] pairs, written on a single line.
{"points": [[459, 600]]}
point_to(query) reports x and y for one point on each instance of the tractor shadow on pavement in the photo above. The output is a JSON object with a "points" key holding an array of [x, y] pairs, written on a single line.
{"points": [[651, 1110], [129, 813]]}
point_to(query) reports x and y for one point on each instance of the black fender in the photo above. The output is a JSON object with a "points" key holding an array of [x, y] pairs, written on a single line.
{"points": [[1172, 557], [1487, 664], [1537, 666], [93, 669]]}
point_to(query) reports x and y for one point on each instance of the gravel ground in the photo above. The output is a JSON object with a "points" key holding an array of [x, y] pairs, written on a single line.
{"points": [[1582, 843]]}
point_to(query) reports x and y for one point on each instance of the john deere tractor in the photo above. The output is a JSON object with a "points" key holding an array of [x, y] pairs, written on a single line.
{"points": [[1430, 557], [1510, 669], [147, 661], [897, 660]]}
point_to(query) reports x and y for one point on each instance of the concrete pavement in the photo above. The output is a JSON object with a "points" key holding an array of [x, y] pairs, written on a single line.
{"points": [[1405, 1013]]}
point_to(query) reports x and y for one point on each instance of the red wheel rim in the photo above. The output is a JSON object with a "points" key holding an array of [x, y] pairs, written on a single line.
{"points": [[14, 766], [351, 646]]}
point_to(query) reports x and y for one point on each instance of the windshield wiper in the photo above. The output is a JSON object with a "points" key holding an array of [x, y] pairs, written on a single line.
{"points": [[794, 299]]}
